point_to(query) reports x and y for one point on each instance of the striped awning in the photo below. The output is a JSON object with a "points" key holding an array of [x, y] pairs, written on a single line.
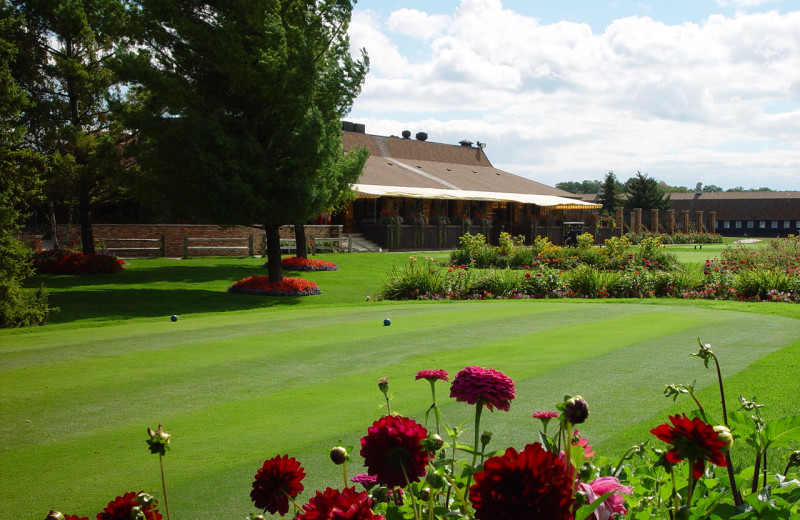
{"points": [[411, 192]]}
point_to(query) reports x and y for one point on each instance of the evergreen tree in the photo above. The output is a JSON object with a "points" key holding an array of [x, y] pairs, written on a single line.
{"points": [[73, 40], [644, 192], [19, 187], [238, 107], [610, 197]]}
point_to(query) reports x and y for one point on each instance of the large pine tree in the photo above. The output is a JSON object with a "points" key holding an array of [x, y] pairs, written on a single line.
{"points": [[239, 105]]}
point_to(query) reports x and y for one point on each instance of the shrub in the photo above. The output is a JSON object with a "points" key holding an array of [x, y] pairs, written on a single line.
{"points": [[69, 261], [414, 280], [497, 282], [765, 284]]}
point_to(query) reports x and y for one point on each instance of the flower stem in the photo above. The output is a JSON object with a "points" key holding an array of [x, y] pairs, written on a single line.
{"points": [[163, 484], [621, 460], [690, 491], [411, 492], [344, 474], [737, 497]]}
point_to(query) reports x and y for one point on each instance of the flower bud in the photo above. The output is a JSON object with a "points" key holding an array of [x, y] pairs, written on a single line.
{"points": [[486, 437], [576, 410], [136, 513], [54, 515], [425, 494], [259, 517], [383, 385], [724, 434], [435, 442], [434, 480], [338, 455]]}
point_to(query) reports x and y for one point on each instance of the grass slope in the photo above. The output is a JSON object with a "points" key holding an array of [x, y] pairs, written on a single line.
{"points": [[239, 379]]}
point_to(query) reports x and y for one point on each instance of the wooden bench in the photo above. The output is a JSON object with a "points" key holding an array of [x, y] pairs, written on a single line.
{"points": [[319, 244], [186, 247], [159, 250], [288, 245]]}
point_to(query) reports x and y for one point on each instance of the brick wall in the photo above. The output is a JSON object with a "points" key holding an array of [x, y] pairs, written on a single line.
{"points": [[174, 237]]}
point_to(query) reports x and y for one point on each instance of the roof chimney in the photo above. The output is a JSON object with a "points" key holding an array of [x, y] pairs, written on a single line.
{"points": [[465, 143]]}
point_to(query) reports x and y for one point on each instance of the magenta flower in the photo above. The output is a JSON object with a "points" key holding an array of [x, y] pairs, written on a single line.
{"points": [[545, 414], [615, 504], [433, 375], [365, 480], [487, 385]]}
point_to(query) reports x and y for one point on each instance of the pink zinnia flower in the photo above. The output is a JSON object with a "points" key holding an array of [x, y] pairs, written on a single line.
{"points": [[393, 449], [365, 480], [487, 385], [615, 504], [433, 375], [545, 414], [577, 440]]}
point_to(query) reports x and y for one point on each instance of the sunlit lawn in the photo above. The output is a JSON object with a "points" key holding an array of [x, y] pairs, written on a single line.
{"points": [[240, 378]]}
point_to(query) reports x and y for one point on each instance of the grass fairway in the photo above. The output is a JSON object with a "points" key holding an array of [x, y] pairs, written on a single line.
{"points": [[239, 378]]}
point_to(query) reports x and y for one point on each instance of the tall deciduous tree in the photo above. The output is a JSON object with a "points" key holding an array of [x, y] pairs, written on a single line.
{"points": [[239, 104], [644, 192], [70, 88]]}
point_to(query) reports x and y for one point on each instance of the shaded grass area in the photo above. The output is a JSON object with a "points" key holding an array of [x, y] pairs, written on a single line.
{"points": [[239, 379]]}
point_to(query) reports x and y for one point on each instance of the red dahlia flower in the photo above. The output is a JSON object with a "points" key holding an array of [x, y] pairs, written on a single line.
{"points": [[120, 509], [278, 480], [333, 504], [393, 449], [533, 483], [692, 439], [490, 386], [433, 375]]}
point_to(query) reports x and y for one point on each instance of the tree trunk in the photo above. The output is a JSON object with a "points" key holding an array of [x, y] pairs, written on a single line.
{"points": [[85, 218], [300, 240], [52, 211], [274, 252]]}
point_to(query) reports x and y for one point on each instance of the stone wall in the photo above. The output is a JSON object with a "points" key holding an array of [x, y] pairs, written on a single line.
{"points": [[126, 239]]}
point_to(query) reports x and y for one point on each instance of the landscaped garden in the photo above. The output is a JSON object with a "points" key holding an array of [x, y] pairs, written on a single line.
{"points": [[240, 379]]}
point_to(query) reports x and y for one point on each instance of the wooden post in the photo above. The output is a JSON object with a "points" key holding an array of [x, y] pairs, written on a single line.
{"points": [[185, 245], [620, 220], [685, 220], [700, 226], [163, 246], [671, 221], [250, 245], [654, 220], [638, 214], [712, 221]]}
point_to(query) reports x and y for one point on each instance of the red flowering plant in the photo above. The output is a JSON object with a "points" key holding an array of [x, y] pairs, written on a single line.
{"points": [[261, 285], [69, 261], [295, 263]]}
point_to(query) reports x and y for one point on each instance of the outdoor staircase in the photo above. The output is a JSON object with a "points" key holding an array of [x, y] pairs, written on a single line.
{"points": [[360, 244]]}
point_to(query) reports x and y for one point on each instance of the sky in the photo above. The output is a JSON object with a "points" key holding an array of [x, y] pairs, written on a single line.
{"points": [[685, 91]]}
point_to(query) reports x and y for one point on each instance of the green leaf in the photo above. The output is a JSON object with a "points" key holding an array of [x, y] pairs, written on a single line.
{"points": [[779, 432], [586, 510]]}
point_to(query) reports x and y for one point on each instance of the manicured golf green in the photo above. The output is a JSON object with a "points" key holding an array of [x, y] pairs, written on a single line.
{"points": [[238, 379]]}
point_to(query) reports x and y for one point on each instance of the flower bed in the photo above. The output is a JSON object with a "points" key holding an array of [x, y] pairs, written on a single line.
{"points": [[287, 287], [294, 263], [69, 261]]}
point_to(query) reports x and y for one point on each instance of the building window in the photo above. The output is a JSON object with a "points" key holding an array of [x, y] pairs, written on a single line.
{"points": [[786, 224], [762, 224], [749, 224], [726, 224], [774, 224], [797, 224], [738, 224]]}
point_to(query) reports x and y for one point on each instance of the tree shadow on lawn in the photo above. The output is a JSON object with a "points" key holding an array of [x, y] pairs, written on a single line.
{"points": [[123, 304], [227, 273]]}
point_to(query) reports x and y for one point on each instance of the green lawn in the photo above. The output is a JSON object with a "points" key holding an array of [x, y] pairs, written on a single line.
{"points": [[238, 379]]}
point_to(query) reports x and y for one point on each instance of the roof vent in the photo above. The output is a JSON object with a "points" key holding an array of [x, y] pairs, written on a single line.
{"points": [[465, 143], [406, 134], [421, 136]]}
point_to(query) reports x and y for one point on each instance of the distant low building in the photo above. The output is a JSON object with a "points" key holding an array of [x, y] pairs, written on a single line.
{"points": [[745, 213]]}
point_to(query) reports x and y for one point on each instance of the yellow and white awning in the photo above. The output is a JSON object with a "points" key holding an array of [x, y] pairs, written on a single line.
{"points": [[545, 201]]}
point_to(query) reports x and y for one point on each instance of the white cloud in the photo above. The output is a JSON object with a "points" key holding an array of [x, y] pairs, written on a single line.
{"points": [[414, 23], [557, 101]]}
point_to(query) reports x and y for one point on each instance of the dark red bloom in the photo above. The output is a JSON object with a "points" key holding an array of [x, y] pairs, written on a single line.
{"points": [[490, 386], [392, 444], [278, 479], [692, 439], [333, 504], [433, 375], [120, 509], [533, 483], [76, 517]]}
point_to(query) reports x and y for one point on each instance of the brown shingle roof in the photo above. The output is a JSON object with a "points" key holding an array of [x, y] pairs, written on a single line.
{"points": [[746, 205], [407, 162]]}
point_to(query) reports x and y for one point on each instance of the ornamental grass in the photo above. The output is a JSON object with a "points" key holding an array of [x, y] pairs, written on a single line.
{"points": [[414, 473]]}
